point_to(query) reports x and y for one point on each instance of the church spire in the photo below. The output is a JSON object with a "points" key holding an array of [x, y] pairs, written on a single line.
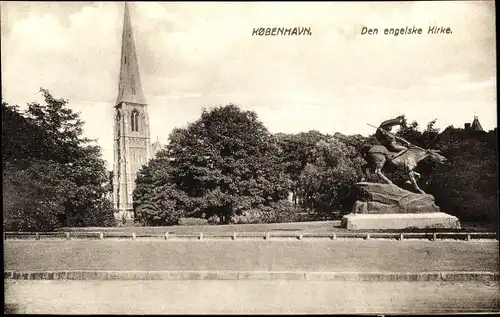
{"points": [[129, 88], [476, 126]]}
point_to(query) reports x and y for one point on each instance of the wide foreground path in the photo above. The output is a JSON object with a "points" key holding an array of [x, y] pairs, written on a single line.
{"points": [[326, 256], [219, 297]]}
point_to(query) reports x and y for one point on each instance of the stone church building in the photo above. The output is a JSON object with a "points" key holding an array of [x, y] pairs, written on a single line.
{"points": [[132, 141]]}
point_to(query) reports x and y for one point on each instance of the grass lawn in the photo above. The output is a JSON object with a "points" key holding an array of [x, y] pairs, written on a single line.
{"points": [[329, 255], [312, 226]]}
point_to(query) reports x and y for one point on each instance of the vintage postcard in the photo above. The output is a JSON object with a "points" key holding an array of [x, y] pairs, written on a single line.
{"points": [[249, 157]]}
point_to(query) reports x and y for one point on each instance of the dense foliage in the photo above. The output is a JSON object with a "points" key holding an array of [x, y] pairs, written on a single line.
{"points": [[324, 182], [224, 168], [53, 176], [222, 165], [467, 185], [206, 172], [296, 153]]}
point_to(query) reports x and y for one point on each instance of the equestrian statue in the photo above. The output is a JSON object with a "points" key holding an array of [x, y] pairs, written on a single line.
{"points": [[391, 151]]}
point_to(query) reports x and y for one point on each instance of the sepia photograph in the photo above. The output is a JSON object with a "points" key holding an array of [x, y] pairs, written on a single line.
{"points": [[249, 157]]}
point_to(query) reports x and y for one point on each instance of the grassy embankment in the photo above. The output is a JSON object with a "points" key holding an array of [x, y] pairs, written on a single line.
{"points": [[307, 227]]}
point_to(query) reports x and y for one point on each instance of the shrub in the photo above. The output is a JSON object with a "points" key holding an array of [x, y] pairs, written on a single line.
{"points": [[285, 211], [280, 211], [214, 220], [250, 216], [192, 222]]}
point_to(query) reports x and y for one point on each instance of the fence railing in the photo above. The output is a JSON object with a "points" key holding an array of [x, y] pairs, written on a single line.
{"points": [[434, 236]]}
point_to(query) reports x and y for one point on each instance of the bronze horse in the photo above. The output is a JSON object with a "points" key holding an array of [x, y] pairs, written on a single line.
{"points": [[378, 155]]}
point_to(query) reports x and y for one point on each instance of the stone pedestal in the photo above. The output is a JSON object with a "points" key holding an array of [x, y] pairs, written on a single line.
{"points": [[374, 198], [384, 206], [432, 220]]}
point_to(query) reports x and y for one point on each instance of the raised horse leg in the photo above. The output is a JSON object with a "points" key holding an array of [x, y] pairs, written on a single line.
{"points": [[379, 173], [411, 176]]}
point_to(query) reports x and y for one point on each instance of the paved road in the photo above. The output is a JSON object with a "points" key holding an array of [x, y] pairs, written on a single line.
{"points": [[327, 256], [226, 297]]}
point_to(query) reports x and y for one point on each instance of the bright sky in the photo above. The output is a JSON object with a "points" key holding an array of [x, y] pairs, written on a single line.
{"points": [[195, 55]]}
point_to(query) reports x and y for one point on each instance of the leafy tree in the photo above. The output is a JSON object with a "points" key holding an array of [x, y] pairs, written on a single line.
{"points": [[54, 177], [410, 132], [467, 185], [296, 152], [88, 199], [430, 135], [357, 141], [157, 201], [223, 164], [21, 137], [33, 196], [325, 182]]}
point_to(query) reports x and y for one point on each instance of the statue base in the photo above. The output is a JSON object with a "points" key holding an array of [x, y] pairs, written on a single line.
{"points": [[375, 198], [432, 220], [387, 206]]}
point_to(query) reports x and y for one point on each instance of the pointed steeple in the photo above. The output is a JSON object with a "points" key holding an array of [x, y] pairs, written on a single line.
{"points": [[129, 88], [476, 126]]}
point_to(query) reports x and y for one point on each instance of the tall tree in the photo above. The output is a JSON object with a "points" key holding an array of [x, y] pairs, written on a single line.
{"points": [[467, 186], [296, 152], [157, 201], [225, 162], [326, 181], [21, 137], [34, 196], [54, 176]]}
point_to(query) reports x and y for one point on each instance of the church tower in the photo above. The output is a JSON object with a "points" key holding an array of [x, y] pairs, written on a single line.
{"points": [[132, 145]]}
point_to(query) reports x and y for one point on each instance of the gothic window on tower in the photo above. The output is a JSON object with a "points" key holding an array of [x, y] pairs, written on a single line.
{"points": [[125, 59], [135, 120], [132, 81]]}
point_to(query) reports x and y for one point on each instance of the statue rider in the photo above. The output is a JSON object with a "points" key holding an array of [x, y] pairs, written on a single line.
{"points": [[388, 139]]}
